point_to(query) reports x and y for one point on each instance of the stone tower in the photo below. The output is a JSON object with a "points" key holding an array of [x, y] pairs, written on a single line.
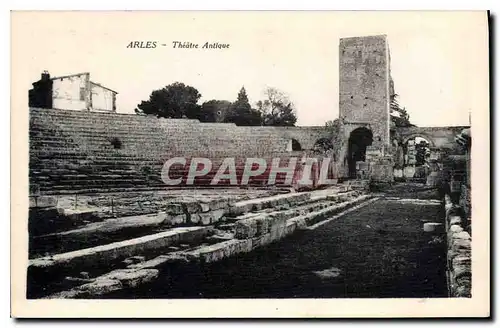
{"points": [[365, 86], [364, 102]]}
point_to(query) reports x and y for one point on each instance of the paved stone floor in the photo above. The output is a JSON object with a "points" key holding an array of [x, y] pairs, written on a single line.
{"points": [[377, 251]]}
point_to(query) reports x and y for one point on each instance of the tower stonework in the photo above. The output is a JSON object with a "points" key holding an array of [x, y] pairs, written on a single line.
{"points": [[364, 90]]}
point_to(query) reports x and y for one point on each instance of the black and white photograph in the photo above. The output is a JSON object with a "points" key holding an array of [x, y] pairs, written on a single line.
{"points": [[251, 156]]}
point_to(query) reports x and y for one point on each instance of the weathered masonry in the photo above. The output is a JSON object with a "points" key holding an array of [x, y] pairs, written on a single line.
{"points": [[72, 92]]}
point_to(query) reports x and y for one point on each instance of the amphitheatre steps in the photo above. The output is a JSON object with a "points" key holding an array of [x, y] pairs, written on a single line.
{"points": [[56, 172], [244, 226]]}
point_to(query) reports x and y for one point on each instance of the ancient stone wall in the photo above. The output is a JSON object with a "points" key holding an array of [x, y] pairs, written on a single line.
{"points": [[442, 137], [459, 251]]}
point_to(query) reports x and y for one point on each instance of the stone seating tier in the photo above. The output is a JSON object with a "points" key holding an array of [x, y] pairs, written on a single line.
{"points": [[78, 151]]}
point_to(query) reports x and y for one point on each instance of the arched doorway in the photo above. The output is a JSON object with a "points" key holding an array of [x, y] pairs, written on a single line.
{"points": [[359, 139], [296, 145]]}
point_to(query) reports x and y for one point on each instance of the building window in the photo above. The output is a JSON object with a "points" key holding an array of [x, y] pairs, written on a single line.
{"points": [[82, 94]]}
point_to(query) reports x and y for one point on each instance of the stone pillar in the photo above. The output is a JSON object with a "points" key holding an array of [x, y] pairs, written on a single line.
{"points": [[381, 166]]}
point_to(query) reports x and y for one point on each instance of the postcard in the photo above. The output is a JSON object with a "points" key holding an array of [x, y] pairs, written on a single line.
{"points": [[272, 164]]}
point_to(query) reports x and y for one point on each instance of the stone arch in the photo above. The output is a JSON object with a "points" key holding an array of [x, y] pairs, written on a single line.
{"points": [[419, 135], [359, 139]]}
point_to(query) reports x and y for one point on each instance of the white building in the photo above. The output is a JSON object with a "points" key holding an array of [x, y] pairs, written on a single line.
{"points": [[74, 92]]}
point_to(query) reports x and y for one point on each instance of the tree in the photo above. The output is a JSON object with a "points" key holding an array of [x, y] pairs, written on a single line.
{"points": [[173, 101], [277, 109], [241, 113], [214, 110], [334, 136], [401, 118]]}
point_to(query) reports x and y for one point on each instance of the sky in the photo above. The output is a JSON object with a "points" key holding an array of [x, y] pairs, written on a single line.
{"points": [[439, 60]]}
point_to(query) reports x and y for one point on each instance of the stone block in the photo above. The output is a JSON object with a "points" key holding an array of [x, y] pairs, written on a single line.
{"points": [[99, 287], [78, 215], [382, 172], [260, 225], [175, 220], [195, 219], [213, 255], [130, 277], [217, 204], [461, 260], [462, 291], [134, 260], [246, 228], [174, 209], [205, 218], [464, 235], [204, 207], [192, 207], [455, 220], [103, 254], [433, 179], [460, 244], [297, 223], [260, 241], [433, 227], [42, 201], [211, 217], [460, 271]]}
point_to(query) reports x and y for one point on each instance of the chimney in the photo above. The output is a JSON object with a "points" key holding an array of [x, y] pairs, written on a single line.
{"points": [[45, 76]]}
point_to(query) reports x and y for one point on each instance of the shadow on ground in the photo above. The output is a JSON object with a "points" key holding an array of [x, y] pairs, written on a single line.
{"points": [[378, 251]]}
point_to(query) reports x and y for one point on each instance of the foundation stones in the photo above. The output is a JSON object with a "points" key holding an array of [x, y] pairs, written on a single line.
{"points": [[249, 231], [455, 229], [134, 259], [42, 201], [433, 227], [174, 209], [204, 207]]}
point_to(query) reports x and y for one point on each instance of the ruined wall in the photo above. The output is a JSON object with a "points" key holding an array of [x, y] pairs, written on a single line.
{"points": [[71, 92], [306, 136], [364, 85], [439, 137]]}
